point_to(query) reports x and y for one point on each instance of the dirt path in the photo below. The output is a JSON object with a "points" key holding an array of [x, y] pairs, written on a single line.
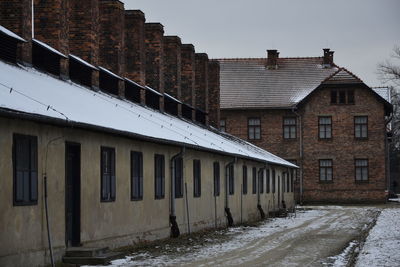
{"points": [[307, 240]]}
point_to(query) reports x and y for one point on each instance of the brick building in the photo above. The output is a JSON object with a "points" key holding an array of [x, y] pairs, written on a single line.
{"points": [[315, 114]]}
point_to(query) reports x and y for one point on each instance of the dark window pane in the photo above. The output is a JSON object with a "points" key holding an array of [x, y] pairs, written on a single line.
{"points": [[196, 178], [244, 180], [216, 179], [350, 96], [342, 97], [254, 180], [333, 96], [231, 180], [178, 177]]}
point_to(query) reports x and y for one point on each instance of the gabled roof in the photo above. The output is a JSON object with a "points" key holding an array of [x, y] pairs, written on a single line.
{"points": [[28, 93], [247, 83], [342, 76]]}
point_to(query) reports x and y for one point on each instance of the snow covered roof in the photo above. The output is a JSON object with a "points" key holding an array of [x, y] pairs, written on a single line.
{"points": [[110, 73], [172, 98], [83, 61], [35, 94], [384, 92], [11, 34], [51, 49]]}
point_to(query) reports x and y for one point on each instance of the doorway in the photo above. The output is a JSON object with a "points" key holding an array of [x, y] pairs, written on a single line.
{"points": [[72, 194]]}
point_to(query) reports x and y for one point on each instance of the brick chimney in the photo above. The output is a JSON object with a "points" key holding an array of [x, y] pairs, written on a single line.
{"points": [[201, 89], [172, 67], [51, 27], [84, 32], [214, 93], [135, 51], [328, 58], [154, 57], [17, 17], [188, 83], [272, 59], [111, 38]]}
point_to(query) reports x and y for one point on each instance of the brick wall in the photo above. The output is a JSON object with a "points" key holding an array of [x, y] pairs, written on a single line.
{"points": [[17, 17], [111, 36], [342, 149], [188, 74], [135, 52], [201, 74], [213, 93], [172, 66], [51, 26], [84, 29]]}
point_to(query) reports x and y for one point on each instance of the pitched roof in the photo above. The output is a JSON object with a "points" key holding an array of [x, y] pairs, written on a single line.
{"points": [[247, 83], [29, 93]]}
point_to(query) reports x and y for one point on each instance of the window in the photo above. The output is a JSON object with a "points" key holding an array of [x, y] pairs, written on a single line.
{"points": [[273, 181], [361, 169], [222, 125], [196, 178], [325, 127], [107, 174], [292, 173], [342, 96], [217, 187], [268, 182], [159, 176], [289, 128], [178, 162], [244, 180], [325, 170], [260, 181], [361, 127], [136, 175], [25, 170], [254, 180], [231, 179], [254, 128], [287, 182]]}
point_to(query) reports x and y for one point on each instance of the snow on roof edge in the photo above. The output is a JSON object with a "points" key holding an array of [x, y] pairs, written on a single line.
{"points": [[11, 34], [48, 47], [83, 61], [110, 73]]}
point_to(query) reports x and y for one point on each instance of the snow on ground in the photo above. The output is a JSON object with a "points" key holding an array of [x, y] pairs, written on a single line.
{"points": [[383, 242], [309, 239]]}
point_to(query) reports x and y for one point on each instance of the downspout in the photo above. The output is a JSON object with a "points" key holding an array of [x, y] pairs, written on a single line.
{"points": [[172, 217], [262, 213], [300, 152], [227, 210]]}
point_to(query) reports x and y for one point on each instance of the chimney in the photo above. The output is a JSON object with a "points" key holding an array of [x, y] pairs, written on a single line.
{"points": [[84, 33], [272, 59], [172, 67], [111, 38], [51, 27], [188, 84], [201, 89], [214, 93], [17, 17], [328, 58], [154, 57], [135, 51]]}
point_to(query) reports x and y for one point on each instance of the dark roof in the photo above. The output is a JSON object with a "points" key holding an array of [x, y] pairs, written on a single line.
{"points": [[247, 83]]}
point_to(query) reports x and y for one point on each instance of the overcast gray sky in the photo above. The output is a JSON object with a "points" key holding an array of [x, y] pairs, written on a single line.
{"points": [[361, 32]]}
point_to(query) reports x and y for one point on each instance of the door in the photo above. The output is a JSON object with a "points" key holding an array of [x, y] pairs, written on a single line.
{"points": [[72, 194]]}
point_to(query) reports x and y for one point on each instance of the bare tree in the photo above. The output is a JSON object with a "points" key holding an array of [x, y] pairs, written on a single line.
{"points": [[389, 73]]}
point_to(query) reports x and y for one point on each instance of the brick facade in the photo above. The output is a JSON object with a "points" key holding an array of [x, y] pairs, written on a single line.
{"points": [[135, 52], [201, 89], [213, 93], [172, 66], [17, 17], [188, 74], [342, 149]]}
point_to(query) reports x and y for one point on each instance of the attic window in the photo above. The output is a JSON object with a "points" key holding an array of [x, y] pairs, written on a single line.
{"points": [[9, 45], [152, 98], [342, 96], [108, 81], [171, 104], [80, 71], [132, 91], [200, 116], [187, 111], [46, 58]]}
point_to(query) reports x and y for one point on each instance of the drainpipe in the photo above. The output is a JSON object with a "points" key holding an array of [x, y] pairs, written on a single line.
{"points": [[262, 214], [227, 210], [300, 151], [172, 217]]}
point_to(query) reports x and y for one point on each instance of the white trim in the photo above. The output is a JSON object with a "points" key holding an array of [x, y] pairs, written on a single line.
{"points": [[83, 61], [11, 34], [110, 73], [51, 49], [152, 90]]}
